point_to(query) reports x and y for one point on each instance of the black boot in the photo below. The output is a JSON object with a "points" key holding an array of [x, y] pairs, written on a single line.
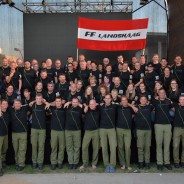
{"points": [[34, 165], [40, 166], [60, 166], [53, 166], [168, 166], [147, 165], [159, 167], [141, 165], [20, 168], [1, 172], [4, 165], [74, 166], [70, 166]]}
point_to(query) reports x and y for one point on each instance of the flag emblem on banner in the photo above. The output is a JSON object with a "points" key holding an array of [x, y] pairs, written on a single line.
{"points": [[112, 35]]}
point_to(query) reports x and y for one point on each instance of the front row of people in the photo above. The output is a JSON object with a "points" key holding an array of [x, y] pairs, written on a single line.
{"points": [[107, 125]]}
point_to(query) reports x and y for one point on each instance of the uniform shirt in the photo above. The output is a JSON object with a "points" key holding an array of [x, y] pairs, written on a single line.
{"points": [[137, 75], [96, 74], [80, 95], [174, 95], [10, 99], [124, 117], [38, 116], [83, 75], [146, 93], [68, 97], [178, 72], [71, 76], [15, 79], [124, 77], [73, 118], [57, 72], [50, 97], [28, 79], [26, 101], [179, 116], [45, 82], [95, 90], [86, 100], [150, 79], [119, 88], [166, 81], [142, 118], [62, 88], [51, 73], [43, 92], [19, 119], [108, 116], [100, 98], [162, 111], [5, 72], [57, 119], [116, 100], [157, 68], [92, 119], [4, 123]]}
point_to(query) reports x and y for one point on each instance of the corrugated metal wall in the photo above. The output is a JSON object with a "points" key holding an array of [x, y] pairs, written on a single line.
{"points": [[11, 23]]}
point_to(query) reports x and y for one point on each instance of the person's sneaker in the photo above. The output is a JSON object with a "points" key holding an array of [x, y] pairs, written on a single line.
{"points": [[81, 168], [112, 169], [141, 165], [107, 169], [4, 165], [74, 166], [53, 166], [1, 172], [147, 165], [60, 166], [40, 166], [182, 164], [123, 167], [176, 165], [34, 165], [94, 167], [168, 167], [70, 166], [129, 168], [159, 167], [20, 168]]}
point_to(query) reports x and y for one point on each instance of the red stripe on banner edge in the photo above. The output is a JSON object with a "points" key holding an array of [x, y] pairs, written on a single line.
{"points": [[112, 24], [111, 45]]}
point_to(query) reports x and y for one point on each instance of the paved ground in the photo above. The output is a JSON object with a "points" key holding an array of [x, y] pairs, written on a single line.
{"points": [[91, 178]]}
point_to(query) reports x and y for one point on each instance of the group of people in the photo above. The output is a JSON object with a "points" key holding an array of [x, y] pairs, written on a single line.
{"points": [[105, 101]]}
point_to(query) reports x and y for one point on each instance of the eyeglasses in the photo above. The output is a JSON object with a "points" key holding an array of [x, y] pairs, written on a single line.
{"points": [[173, 83]]}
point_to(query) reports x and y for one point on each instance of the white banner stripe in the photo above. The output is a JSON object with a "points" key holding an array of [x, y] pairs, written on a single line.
{"points": [[112, 35]]}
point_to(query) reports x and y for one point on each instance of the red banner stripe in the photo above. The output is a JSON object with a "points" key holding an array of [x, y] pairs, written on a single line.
{"points": [[112, 24], [111, 45]]}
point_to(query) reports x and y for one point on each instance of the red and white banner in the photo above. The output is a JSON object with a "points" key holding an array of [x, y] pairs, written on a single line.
{"points": [[112, 35]]}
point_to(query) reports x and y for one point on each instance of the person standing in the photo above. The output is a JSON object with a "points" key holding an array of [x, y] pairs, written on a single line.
{"points": [[91, 127], [123, 131], [143, 126], [4, 122], [19, 132], [57, 134], [73, 132], [162, 130], [178, 133], [38, 130], [108, 133]]}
